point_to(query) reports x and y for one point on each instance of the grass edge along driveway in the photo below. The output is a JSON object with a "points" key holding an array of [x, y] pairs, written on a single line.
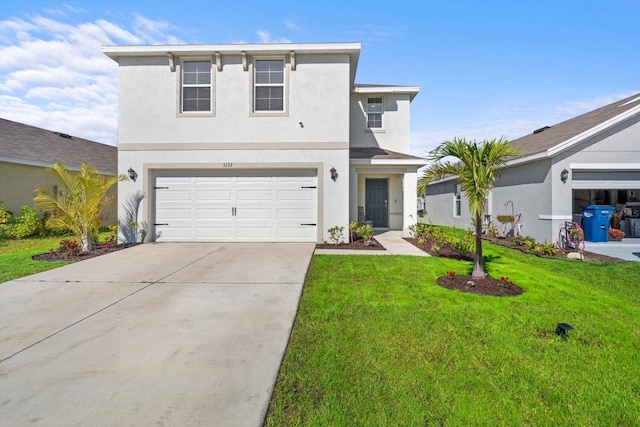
{"points": [[377, 342]]}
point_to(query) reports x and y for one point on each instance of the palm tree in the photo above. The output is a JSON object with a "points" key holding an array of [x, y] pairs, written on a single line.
{"points": [[478, 166], [77, 205]]}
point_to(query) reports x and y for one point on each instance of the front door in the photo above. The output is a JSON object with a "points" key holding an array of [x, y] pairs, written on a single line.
{"points": [[377, 201]]}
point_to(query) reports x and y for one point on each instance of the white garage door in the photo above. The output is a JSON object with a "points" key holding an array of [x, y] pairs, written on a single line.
{"points": [[273, 206]]}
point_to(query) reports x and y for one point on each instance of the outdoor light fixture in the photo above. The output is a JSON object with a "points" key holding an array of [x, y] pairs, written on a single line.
{"points": [[334, 174], [132, 174], [564, 175], [562, 329]]}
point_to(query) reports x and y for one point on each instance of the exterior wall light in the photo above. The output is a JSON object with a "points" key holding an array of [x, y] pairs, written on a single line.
{"points": [[132, 174], [334, 174], [564, 175]]}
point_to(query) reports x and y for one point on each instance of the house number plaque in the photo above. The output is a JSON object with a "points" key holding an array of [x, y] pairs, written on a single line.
{"points": [[227, 165]]}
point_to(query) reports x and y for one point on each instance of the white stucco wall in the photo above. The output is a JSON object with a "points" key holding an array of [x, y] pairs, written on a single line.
{"points": [[318, 96], [394, 135], [333, 205], [153, 135]]}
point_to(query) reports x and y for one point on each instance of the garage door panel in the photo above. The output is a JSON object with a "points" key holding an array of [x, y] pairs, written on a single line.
{"points": [[213, 214], [176, 214], [297, 234], [255, 213], [213, 195], [254, 195], [237, 206], [295, 195], [214, 232], [306, 215], [259, 233]]}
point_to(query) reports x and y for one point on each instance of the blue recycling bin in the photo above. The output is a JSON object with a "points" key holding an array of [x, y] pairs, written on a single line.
{"points": [[595, 221]]}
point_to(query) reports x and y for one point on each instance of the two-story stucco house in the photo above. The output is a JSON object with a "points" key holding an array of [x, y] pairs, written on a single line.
{"points": [[261, 142]]}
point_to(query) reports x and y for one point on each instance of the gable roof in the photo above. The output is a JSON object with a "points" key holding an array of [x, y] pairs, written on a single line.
{"points": [[554, 138], [24, 144], [377, 155]]}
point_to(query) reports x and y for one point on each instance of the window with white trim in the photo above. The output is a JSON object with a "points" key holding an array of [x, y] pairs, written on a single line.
{"points": [[374, 113], [268, 85], [457, 200], [196, 86]]}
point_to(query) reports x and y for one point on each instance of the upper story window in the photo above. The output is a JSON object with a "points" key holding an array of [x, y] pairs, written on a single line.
{"points": [[457, 200], [268, 85], [374, 113], [196, 86]]}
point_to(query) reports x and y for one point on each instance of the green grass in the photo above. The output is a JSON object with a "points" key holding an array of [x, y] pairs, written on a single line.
{"points": [[377, 342], [15, 256]]}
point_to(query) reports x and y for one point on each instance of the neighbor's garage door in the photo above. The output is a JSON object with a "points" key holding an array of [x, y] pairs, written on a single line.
{"points": [[274, 206]]}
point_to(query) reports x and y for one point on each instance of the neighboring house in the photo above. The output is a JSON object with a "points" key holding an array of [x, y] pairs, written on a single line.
{"points": [[590, 159], [26, 152], [261, 142]]}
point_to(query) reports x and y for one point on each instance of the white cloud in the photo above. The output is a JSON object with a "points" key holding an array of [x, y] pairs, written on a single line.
{"points": [[265, 37], [290, 24], [53, 74]]}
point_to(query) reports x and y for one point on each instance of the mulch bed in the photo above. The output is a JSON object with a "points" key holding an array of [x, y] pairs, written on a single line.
{"points": [[446, 250], [98, 250], [588, 256], [486, 286], [358, 244]]}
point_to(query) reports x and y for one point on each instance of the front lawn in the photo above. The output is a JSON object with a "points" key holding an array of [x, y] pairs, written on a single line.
{"points": [[377, 342], [15, 255]]}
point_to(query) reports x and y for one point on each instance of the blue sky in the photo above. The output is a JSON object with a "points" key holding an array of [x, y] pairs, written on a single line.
{"points": [[485, 68]]}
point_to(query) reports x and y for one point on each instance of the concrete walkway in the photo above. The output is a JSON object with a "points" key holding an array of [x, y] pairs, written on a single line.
{"points": [[158, 334], [627, 249], [392, 241]]}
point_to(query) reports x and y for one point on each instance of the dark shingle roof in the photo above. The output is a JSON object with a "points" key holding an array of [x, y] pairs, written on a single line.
{"points": [[379, 154], [32, 145], [561, 132]]}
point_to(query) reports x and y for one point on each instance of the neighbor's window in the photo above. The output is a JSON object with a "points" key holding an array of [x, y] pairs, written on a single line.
{"points": [[374, 113], [268, 85], [196, 86], [457, 205]]}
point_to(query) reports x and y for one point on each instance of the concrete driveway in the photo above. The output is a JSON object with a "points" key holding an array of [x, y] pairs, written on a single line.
{"points": [[158, 334]]}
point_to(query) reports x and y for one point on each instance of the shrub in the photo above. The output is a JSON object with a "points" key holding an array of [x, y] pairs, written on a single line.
{"points": [[465, 244], [19, 227], [335, 234], [366, 231], [69, 246], [546, 248], [615, 234], [523, 241]]}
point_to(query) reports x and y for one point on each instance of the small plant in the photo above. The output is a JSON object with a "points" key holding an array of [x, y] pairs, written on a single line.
{"points": [[353, 226], [465, 245], [545, 248], [451, 274], [366, 231], [422, 213], [615, 234], [503, 281], [69, 246], [523, 241], [505, 219], [336, 234]]}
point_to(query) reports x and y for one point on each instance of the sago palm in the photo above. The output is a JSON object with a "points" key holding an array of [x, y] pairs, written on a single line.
{"points": [[477, 167], [79, 201]]}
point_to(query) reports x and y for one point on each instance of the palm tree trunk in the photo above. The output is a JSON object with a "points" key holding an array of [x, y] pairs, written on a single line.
{"points": [[478, 265], [86, 242]]}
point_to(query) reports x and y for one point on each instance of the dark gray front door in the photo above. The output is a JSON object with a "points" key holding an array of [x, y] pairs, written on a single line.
{"points": [[376, 202]]}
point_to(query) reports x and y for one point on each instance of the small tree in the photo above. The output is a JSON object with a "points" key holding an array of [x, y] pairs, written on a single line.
{"points": [[478, 166], [77, 205]]}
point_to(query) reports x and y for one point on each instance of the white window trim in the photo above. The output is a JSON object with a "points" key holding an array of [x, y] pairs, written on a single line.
{"points": [[212, 92], [457, 199], [285, 92], [365, 107]]}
